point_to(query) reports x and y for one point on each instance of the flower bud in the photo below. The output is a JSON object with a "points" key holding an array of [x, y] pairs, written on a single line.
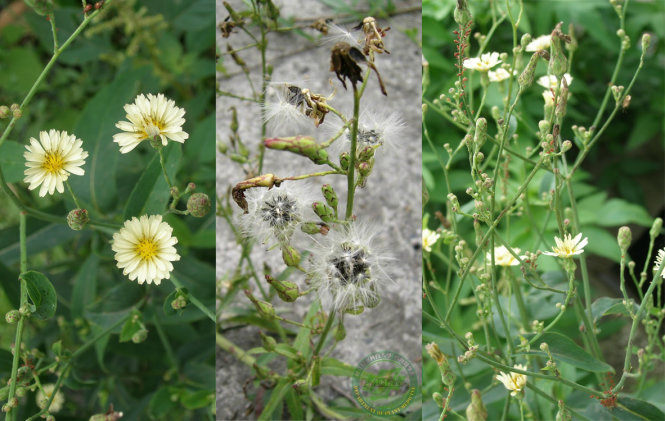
{"points": [[646, 40], [265, 180], [340, 332], [300, 386], [4, 111], [476, 410], [268, 342], [481, 133], [525, 79], [566, 146], [558, 61], [291, 256], [655, 228], [435, 352], [364, 168], [330, 195], [12, 316], [179, 302], [140, 336], [526, 39], [265, 309], [562, 414], [286, 290], [366, 154], [544, 347], [323, 211], [198, 205], [624, 238], [301, 145], [314, 228], [344, 160], [462, 15], [77, 219], [439, 400]]}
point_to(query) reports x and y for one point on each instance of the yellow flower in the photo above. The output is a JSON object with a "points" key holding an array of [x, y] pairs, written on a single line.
{"points": [[568, 247], [540, 43], [144, 249], [429, 239], [500, 75], [515, 382], [484, 63], [51, 159], [149, 118], [502, 256]]}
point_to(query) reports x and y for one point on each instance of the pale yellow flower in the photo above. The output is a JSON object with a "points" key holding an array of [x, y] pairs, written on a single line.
{"points": [[515, 382], [502, 256], [551, 81], [499, 75], [659, 261], [429, 239], [540, 43], [42, 398], [150, 117], [482, 63], [568, 247], [144, 249], [51, 159]]}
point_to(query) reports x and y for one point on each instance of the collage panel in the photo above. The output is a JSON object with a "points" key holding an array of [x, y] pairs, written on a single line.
{"points": [[107, 237], [543, 169], [318, 251]]}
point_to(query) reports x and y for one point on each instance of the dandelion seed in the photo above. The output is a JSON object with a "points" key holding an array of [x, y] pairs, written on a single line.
{"points": [[43, 397], [285, 109], [51, 159], [568, 247], [375, 129], [659, 261], [502, 256], [515, 382], [346, 270], [429, 239], [144, 249], [483, 63], [540, 43], [149, 118]]}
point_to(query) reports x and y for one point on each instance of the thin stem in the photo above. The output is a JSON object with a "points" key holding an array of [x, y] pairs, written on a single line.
{"points": [[351, 184], [76, 202], [162, 162], [324, 334], [174, 280]]}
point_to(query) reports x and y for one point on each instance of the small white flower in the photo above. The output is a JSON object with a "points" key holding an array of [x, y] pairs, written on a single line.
{"points": [[502, 256], [284, 109], [144, 249], [51, 159], [346, 270], [499, 75], [540, 43], [429, 239], [484, 63], [150, 117], [551, 81], [43, 397], [274, 214], [659, 261], [568, 247], [515, 382]]}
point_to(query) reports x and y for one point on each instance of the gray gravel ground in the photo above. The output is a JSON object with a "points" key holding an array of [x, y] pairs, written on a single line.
{"points": [[392, 199]]}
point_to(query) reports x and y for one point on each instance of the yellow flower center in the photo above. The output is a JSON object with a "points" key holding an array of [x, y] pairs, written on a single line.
{"points": [[152, 128], [53, 162], [146, 249]]}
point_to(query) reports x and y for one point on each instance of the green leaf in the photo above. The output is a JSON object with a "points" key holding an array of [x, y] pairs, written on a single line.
{"points": [[294, 404], [20, 68], [617, 212], [151, 186], [565, 350], [43, 238], [602, 243], [630, 409], [605, 306], [42, 294], [161, 404], [197, 399], [276, 397], [168, 310], [85, 286], [131, 326], [12, 161], [334, 367]]}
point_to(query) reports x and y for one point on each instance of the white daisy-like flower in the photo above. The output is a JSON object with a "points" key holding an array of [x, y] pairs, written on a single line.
{"points": [[284, 109], [150, 117], [51, 159], [499, 75], [551, 81], [502, 256], [43, 397], [484, 63], [274, 214], [429, 239], [659, 261], [346, 270], [515, 382], [144, 249], [568, 247], [540, 43]]}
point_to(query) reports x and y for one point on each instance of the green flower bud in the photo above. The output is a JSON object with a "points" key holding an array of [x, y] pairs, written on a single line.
{"points": [[330, 195], [179, 303], [268, 342], [655, 228], [198, 205], [462, 15], [234, 118], [525, 40], [624, 238], [286, 290], [301, 145], [265, 309], [344, 160], [525, 79], [340, 332], [4, 111], [646, 40], [323, 211], [77, 219], [366, 154], [12, 316], [140, 336], [300, 386], [314, 228], [566, 146], [481, 133], [558, 61], [476, 410], [439, 400], [364, 168]]}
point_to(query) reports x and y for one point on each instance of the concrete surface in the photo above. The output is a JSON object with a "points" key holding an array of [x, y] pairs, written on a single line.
{"points": [[392, 198]]}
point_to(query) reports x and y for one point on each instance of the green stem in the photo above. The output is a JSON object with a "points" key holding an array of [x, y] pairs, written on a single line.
{"points": [[351, 184], [324, 334], [174, 280], [76, 202], [162, 162]]}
